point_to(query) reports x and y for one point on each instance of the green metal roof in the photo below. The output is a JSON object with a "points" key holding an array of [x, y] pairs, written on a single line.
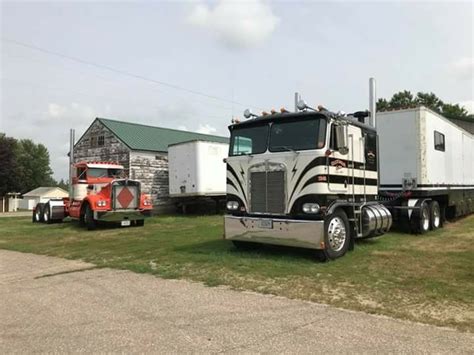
{"points": [[142, 137]]}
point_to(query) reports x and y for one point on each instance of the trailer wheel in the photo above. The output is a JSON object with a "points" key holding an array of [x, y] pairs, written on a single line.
{"points": [[421, 220], [38, 214], [47, 214], [337, 236], [435, 216], [89, 220]]}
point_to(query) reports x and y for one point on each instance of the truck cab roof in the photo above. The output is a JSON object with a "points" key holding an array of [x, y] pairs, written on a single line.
{"points": [[98, 165], [288, 116]]}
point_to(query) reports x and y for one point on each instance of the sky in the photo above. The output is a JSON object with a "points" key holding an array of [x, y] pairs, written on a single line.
{"points": [[194, 65]]}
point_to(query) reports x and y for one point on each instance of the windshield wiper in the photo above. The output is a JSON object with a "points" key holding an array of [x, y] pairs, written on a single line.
{"points": [[288, 149]]}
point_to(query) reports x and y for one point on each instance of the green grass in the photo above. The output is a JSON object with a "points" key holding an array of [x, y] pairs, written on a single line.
{"points": [[427, 278]]}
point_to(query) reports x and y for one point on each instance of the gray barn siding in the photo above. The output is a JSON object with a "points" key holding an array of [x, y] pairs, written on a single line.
{"points": [[112, 150], [151, 169]]}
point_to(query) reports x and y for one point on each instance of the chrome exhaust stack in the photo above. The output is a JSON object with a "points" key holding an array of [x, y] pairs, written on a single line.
{"points": [[372, 103], [71, 160]]}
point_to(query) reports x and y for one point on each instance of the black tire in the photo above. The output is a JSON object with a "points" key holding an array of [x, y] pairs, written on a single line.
{"points": [[241, 245], [47, 214], [38, 214], [420, 220], [337, 236], [436, 219], [89, 220]]}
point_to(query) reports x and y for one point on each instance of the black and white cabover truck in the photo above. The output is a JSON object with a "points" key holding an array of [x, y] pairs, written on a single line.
{"points": [[311, 178]]}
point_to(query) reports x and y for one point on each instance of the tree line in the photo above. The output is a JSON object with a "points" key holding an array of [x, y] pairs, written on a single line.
{"points": [[405, 99], [24, 166]]}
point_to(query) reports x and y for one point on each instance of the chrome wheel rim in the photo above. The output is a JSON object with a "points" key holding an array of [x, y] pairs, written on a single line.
{"points": [[425, 219], [45, 216], [336, 234], [37, 216], [436, 217]]}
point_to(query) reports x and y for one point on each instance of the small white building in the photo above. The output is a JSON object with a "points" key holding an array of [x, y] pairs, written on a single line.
{"points": [[41, 194]]}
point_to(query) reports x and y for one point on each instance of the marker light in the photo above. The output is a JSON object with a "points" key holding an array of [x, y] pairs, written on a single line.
{"points": [[284, 110], [273, 111], [265, 113]]}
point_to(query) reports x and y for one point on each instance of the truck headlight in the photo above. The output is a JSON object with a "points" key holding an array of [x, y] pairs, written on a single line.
{"points": [[232, 205], [311, 208], [101, 203], [147, 202]]}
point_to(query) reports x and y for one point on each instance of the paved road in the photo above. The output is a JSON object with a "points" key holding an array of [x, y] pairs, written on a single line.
{"points": [[50, 304]]}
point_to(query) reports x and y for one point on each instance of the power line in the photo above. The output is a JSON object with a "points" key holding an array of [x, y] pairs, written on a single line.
{"points": [[198, 100], [136, 76], [108, 98]]}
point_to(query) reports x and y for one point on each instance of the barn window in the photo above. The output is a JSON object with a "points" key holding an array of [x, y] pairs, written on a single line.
{"points": [[93, 141], [101, 141], [439, 141]]}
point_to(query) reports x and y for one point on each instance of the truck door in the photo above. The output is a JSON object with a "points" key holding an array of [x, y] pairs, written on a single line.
{"points": [[337, 166]]}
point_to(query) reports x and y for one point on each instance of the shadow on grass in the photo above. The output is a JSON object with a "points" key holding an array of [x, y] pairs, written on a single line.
{"points": [[225, 248]]}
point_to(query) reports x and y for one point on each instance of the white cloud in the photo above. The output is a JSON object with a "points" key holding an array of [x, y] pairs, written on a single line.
{"points": [[468, 105], [73, 113], [464, 68], [238, 24], [206, 129]]}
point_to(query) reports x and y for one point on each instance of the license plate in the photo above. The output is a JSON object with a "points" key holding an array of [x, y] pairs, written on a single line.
{"points": [[125, 223], [265, 223]]}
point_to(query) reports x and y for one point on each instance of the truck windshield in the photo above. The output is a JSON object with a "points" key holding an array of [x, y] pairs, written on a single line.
{"points": [[298, 135], [249, 140], [100, 173]]}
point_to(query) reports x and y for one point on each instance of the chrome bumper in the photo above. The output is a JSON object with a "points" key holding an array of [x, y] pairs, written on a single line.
{"points": [[289, 232], [123, 215]]}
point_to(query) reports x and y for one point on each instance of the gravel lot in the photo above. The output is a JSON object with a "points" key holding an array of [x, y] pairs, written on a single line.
{"points": [[51, 304]]}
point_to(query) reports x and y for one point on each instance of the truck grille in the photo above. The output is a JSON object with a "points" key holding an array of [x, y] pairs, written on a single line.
{"points": [[267, 192], [126, 195]]}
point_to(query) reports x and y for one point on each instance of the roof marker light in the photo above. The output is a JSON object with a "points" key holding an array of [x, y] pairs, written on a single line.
{"points": [[265, 113], [284, 110], [273, 111]]}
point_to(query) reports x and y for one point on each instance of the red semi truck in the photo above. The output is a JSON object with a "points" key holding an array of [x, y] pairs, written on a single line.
{"points": [[99, 192]]}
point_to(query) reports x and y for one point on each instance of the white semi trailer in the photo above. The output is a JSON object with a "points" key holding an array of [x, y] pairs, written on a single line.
{"points": [[196, 172], [312, 178]]}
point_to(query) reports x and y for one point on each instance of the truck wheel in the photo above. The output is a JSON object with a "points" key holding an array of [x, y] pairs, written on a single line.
{"points": [[435, 216], [337, 236], [89, 220], [245, 245], [420, 221], [47, 214], [38, 214]]}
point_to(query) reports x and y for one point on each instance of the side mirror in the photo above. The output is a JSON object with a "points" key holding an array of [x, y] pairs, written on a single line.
{"points": [[341, 140]]}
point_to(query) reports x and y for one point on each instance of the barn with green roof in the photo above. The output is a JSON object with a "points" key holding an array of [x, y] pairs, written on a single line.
{"points": [[141, 149]]}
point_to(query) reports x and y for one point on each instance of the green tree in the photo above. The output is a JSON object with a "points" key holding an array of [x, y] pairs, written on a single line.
{"points": [[383, 105], [8, 165], [454, 111], [429, 100], [33, 165], [402, 100]]}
